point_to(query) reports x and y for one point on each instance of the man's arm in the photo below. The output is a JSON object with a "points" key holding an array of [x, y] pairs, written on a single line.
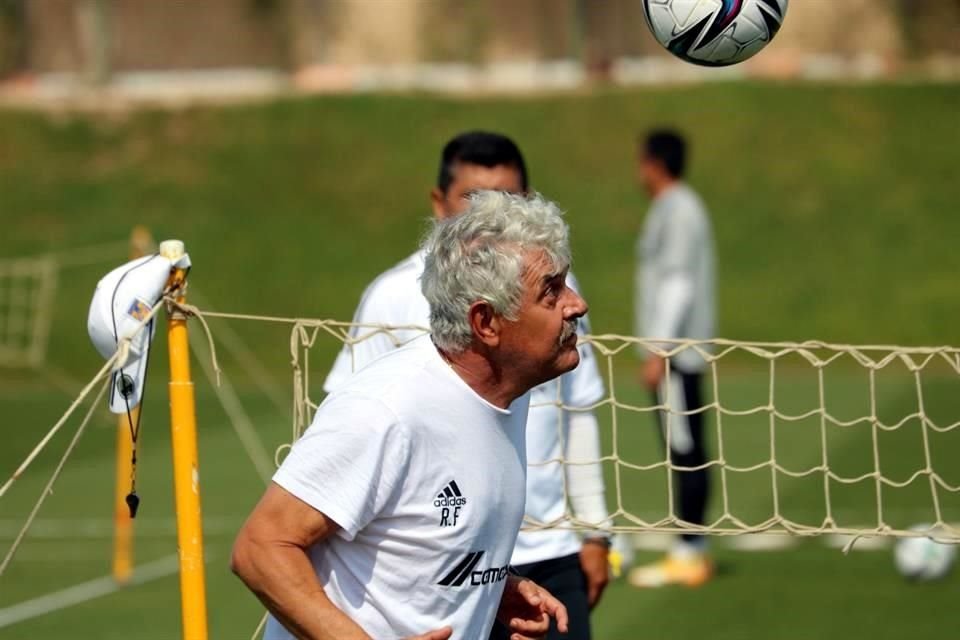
{"points": [[585, 469], [675, 290], [587, 496], [353, 437], [270, 556], [674, 300]]}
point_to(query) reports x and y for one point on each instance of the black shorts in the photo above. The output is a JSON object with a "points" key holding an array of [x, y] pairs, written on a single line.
{"points": [[687, 440], [564, 578]]}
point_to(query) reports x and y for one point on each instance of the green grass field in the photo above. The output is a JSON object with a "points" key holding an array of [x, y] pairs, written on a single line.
{"points": [[833, 210]]}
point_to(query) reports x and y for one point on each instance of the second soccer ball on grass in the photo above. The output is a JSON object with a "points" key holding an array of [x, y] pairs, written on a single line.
{"points": [[923, 559]]}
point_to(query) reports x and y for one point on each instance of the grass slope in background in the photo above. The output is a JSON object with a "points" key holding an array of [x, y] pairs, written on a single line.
{"points": [[833, 209], [833, 206]]}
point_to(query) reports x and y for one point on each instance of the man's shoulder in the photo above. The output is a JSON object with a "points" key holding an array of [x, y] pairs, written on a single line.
{"points": [[399, 284], [681, 208], [687, 201], [404, 274], [392, 376], [387, 299]]}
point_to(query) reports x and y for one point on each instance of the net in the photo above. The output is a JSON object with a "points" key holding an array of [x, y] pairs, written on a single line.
{"points": [[807, 438], [27, 293], [804, 438]]}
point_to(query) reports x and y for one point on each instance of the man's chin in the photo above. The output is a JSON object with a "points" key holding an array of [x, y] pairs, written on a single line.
{"points": [[566, 360], [569, 358]]}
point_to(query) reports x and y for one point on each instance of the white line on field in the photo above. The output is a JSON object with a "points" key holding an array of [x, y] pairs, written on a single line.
{"points": [[86, 591], [99, 528]]}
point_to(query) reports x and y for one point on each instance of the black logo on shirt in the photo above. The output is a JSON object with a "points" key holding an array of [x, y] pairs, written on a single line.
{"points": [[465, 570], [450, 501]]}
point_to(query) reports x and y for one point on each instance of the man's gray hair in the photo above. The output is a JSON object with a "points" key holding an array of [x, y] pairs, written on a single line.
{"points": [[479, 256]]}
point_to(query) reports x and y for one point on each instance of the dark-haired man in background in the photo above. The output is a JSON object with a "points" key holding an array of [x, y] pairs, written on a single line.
{"points": [[574, 570], [675, 300]]}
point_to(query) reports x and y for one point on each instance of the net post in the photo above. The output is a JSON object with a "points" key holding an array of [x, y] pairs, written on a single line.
{"points": [[183, 426], [122, 522], [141, 243]]}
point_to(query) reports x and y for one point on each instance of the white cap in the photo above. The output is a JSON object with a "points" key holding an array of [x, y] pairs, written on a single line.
{"points": [[123, 298]]}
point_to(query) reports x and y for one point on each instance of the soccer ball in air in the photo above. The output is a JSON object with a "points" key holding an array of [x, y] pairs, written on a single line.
{"points": [[922, 558], [714, 33]]}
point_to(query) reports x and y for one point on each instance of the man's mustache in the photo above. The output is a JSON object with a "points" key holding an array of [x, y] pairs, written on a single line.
{"points": [[569, 328]]}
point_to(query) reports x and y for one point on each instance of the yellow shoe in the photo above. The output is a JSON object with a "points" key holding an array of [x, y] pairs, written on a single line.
{"points": [[690, 570]]}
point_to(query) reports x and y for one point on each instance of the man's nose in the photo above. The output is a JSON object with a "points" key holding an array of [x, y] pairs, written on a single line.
{"points": [[576, 307]]}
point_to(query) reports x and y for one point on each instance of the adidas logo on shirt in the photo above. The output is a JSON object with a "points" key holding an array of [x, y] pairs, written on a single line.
{"points": [[465, 569], [450, 496], [450, 501]]}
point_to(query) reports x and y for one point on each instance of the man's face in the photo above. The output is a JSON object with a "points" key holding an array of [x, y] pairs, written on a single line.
{"points": [[649, 172], [542, 341], [468, 178]]}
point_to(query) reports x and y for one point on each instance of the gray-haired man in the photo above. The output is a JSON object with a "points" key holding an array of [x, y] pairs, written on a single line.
{"points": [[573, 568], [348, 541]]}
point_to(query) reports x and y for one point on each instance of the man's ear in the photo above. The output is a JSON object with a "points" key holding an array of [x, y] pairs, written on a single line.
{"points": [[438, 202], [485, 323]]}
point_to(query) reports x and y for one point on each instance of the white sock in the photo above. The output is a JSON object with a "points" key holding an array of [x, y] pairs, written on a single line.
{"points": [[687, 550]]}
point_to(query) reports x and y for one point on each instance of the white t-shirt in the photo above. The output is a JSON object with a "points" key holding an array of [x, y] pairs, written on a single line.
{"points": [[426, 480], [395, 299], [675, 276]]}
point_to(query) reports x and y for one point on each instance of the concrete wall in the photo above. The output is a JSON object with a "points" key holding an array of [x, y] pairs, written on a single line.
{"points": [[175, 34], [149, 34]]}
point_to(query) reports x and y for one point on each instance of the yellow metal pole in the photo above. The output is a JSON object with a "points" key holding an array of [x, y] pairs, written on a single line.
{"points": [[141, 243], [183, 423], [122, 522]]}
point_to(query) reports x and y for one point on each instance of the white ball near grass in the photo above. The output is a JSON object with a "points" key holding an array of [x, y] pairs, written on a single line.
{"points": [[922, 559]]}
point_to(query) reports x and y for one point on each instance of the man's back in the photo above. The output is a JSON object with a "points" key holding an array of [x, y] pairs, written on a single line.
{"points": [[395, 514], [676, 258], [412, 447], [675, 300], [394, 299]]}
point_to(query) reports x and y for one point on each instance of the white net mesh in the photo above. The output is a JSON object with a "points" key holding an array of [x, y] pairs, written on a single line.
{"points": [[27, 292], [804, 438]]}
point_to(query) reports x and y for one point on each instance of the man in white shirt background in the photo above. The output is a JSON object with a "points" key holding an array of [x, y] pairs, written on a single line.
{"points": [[352, 539], [675, 282], [575, 570]]}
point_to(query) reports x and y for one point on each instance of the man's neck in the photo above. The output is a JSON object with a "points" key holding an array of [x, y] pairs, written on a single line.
{"points": [[664, 187], [483, 376]]}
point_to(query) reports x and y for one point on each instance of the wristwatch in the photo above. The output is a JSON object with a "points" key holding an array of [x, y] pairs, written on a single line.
{"points": [[599, 539]]}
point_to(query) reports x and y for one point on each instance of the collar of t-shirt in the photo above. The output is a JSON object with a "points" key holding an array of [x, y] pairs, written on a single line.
{"points": [[450, 371]]}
